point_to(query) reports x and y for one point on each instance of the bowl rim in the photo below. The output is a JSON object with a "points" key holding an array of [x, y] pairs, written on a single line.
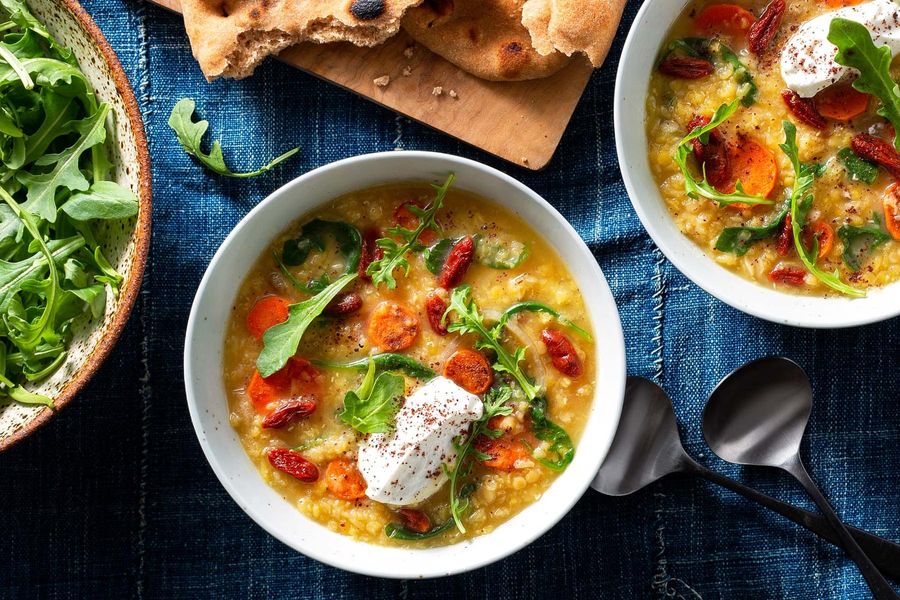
{"points": [[813, 312], [129, 293], [612, 335]]}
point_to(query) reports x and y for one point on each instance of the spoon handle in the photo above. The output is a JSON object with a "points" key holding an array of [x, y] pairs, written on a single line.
{"points": [[879, 587], [884, 553]]}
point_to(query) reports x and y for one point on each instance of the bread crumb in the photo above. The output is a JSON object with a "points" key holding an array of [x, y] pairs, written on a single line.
{"points": [[382, 81], [407, 71], [453, 94], [437, 90], [409, 51]]}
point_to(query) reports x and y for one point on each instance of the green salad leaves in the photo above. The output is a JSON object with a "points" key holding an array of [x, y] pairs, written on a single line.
{"points": [[857, 50], [190, 135], [54, 189]]}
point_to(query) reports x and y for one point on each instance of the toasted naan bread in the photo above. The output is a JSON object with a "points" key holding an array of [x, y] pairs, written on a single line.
{"points": [[573, 26], [483, 37], [230, 38]]}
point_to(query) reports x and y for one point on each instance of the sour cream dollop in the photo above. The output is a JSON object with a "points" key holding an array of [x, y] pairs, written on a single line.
{"points": [[405, 466], [807, 60]]}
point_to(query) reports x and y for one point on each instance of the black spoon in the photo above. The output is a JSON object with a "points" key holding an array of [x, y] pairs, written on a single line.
{"points": [[757, 416], [647, 447]]}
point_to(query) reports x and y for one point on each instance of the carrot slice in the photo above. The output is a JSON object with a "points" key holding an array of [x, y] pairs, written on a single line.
{"points": [[727, 19], [824, 233], [504, 451], [298, 377], [267, 312], [469, 370], [841, 102], [891, 211], [393, 327], [754, 166], [344, 480]]}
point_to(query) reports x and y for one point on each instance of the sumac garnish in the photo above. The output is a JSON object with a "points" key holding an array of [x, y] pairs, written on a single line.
{"points": [[764, 29], [293, 463], [686, 67], [804, 109], [289, 410]]}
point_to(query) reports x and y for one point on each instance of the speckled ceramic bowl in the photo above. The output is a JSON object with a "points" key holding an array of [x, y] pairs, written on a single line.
{"points": [[126, 247]]}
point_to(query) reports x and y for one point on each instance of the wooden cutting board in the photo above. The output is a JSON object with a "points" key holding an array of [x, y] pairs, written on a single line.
{"points": [[521, 122]]}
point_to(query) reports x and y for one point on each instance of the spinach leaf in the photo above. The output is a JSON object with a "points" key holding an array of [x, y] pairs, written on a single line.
{"points": [[738, 240], [398, 531], [382, 270], [747, 89], [859, 168], [560, 444], [313, 236], [801, 203], [540, 307], [281, 341], [436, 254], [386, 361], [860, 241], [190, 136], [695, 188], [857, 51], [372, 407]]}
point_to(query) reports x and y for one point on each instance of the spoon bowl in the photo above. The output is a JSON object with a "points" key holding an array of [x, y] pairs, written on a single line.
{"points": [[773, 391], [646, 446]]}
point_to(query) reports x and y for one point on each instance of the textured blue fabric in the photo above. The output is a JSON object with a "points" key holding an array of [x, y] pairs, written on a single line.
{"points": [[114, 498]]}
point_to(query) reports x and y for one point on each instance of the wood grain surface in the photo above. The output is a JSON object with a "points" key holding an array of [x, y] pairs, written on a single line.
{"points": [[521, 122]]}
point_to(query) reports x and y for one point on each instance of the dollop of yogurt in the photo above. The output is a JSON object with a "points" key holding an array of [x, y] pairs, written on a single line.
{"points": [[405, 466], [807, 60]]}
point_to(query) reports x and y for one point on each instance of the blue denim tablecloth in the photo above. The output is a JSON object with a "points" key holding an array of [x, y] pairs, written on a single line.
{"points": [[114, 498]]}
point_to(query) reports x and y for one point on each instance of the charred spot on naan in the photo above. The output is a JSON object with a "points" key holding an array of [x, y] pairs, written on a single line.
{"points": [[512, 59], [366, 10]]}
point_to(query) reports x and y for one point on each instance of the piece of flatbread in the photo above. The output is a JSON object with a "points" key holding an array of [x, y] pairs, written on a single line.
{"points": [[483, 37], [230, 38], [573, 26]]}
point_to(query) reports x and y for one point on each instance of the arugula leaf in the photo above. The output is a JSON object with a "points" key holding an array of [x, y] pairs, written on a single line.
{"points": [[496, 403], [695, 188], [281, 341], [470, 320], [386, 361], [398, 531], [801, 203], [190, 136], [66, 173], [382, 270], [858, 168], [372, 407], [857, 51], [14, 274], [738, 240], [860, 241], [102, 201]]}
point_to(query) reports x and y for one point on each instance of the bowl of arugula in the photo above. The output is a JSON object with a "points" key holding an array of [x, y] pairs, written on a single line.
{"points": [[74, 207]]}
